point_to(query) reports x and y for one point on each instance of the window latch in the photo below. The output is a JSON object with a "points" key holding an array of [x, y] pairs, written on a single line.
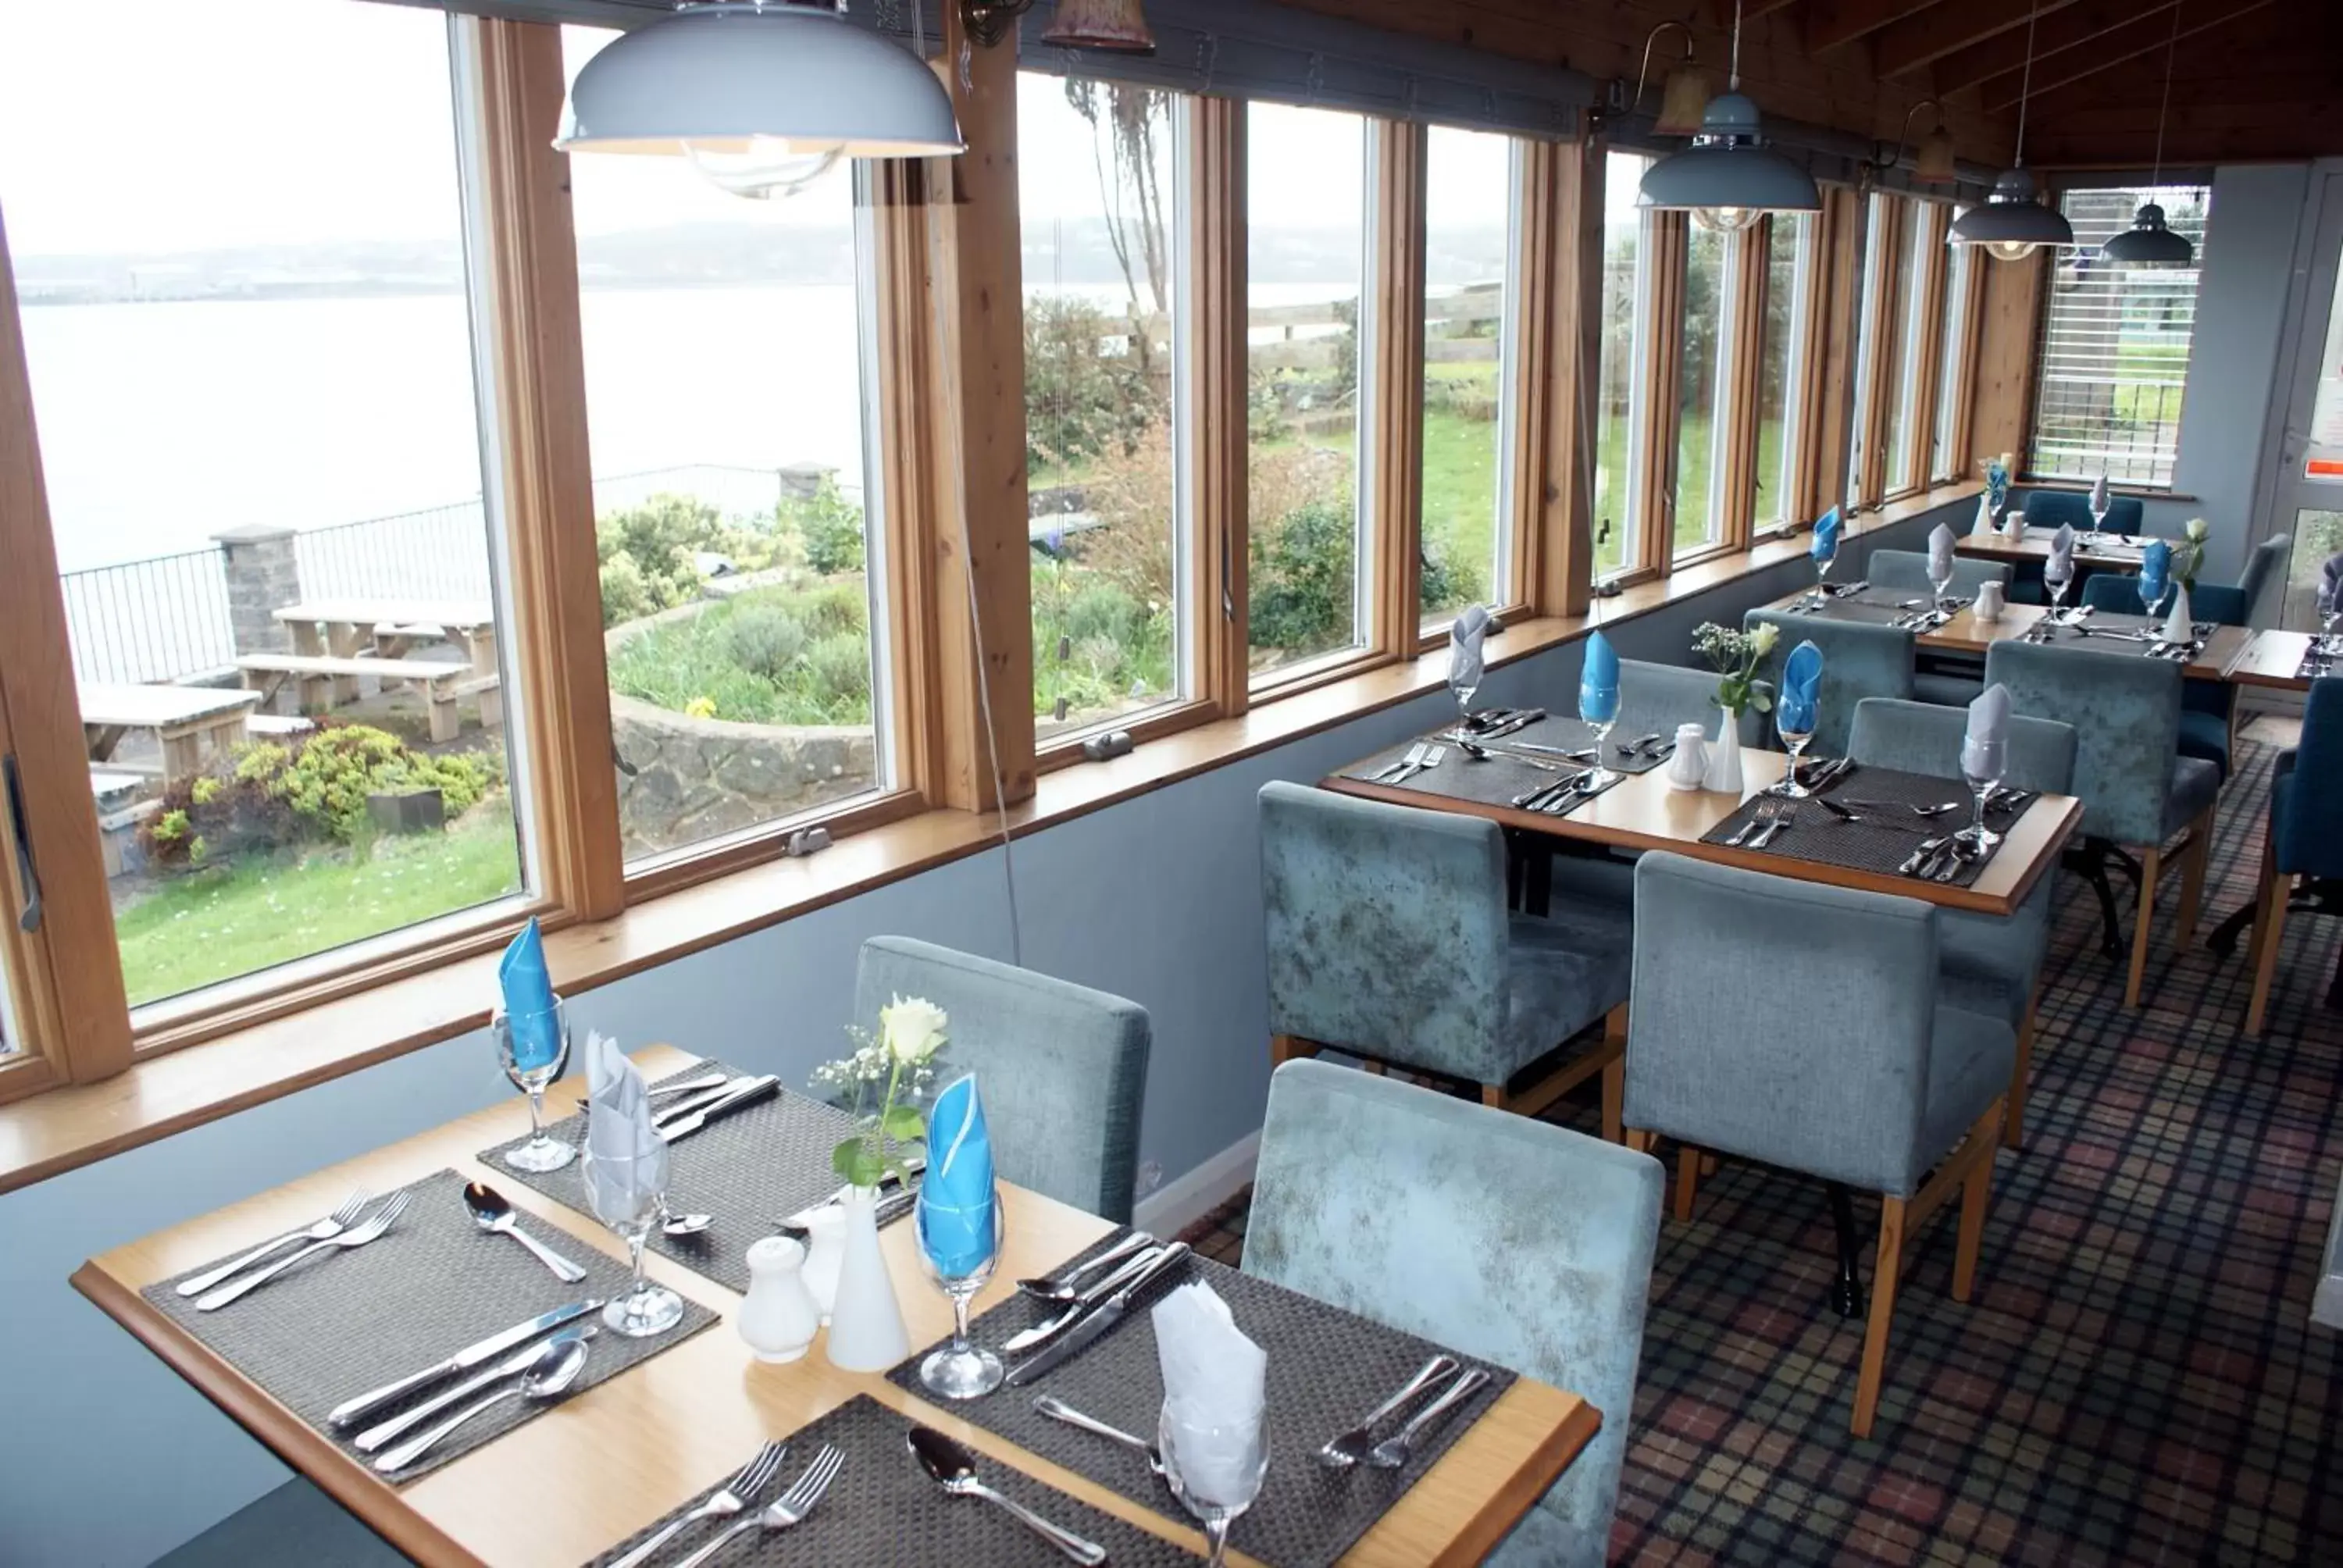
{"points": [[806, 841], [18, 829]]}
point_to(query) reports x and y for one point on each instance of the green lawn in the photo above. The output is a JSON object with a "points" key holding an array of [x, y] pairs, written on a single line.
{"points": [[213, 925]]}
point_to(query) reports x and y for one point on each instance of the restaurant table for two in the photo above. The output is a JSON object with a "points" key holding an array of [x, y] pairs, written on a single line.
{"points": [[1963, 633]]}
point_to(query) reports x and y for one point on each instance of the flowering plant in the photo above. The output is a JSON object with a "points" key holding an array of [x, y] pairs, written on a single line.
{"points": [[1736, 655], [1997, 483], [892, 1068], [2188, 555]]}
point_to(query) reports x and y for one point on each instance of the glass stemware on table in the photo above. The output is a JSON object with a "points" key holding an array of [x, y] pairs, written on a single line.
{"points": [[958, 1247], [2059, 585], [1598, 710], [1944, 588], [1825, 555], [1795, 722], [1214, 1471], [1982, 766], [630, 1196], [534, 1051]]}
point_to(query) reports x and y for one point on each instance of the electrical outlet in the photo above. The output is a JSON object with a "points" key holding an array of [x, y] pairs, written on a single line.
{"points": [[1150, 1177]]}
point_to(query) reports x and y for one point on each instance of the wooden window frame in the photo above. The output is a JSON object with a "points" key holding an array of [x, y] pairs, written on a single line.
{"points": [[1963, 320], [1801, 398], [1923, 315], [1562, 222]]}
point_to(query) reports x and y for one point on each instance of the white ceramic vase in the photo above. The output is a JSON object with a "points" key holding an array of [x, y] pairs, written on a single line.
{"points": [[866, 1321], [2178, 625], [825, 1254], [778, 1317], [1724, 775]]}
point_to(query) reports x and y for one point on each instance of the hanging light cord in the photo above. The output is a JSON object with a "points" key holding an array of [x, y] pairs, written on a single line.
{"points": [[2171, 48], [2025, 87], [1734, 85]]}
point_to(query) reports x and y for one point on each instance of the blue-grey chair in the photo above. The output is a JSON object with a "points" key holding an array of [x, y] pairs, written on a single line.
{"points": [[1859, 662], [1990, 964], [2305, 838], [1389, 939], [2264, 579], [2049, 509], [1798, 1024], [1063, 1067], [2138, 790], [2208, 707], [1909, 571], [1515, 1241]]}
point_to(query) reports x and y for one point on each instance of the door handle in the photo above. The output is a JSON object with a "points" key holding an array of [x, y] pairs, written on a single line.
{"points": [[19, 830]]}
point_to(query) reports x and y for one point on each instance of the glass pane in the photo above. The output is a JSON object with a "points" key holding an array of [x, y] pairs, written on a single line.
{"points": [[1467, 293], [1874, 267], [1904, 350], [725, 343], [2115, 344], [1952, 368], [1615, 378], [253, 375], [2317, 538], [1788, 269], [1700, 399], [1097, 187], [1306, 190]]}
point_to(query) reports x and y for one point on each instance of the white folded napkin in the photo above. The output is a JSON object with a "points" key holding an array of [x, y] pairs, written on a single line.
{"points": [[2098, 502], [1472, 623], [1215, 1382], [1983, 748], [2061, 564], [627, 1170], [1940, 553]]}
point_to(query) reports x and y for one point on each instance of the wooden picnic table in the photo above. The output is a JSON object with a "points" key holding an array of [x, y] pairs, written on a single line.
{"points": [[388, 627], [192, 724]]}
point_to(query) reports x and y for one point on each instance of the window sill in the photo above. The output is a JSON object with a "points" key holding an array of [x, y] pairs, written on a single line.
{"points": [[45, 1134]]}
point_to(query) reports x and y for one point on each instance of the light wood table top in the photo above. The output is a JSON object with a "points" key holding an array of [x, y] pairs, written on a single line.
{"points": [[2274, 658], [453, 615], [1642, 812], [1966, 634], [627, 1452], [127, 707], [2035, 547]]}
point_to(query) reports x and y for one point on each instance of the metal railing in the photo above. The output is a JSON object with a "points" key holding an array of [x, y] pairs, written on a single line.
{"points": [[162, 618]]}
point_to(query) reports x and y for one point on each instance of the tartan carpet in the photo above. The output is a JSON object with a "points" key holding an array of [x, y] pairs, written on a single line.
{"points": [[2137, 1379]]}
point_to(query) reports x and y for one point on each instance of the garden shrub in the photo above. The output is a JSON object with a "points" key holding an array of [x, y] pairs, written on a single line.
{"points": [[649, 555], [1301, 577], [764, 639], [830, 524], [831, 609], [838, 666], [1083, 402]]}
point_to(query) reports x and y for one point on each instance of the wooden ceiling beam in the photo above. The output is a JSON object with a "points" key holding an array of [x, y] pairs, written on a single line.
{"points": [[2121, 150], [2149, 37], [1941, 30], [2066, 29], [1834, 23]]}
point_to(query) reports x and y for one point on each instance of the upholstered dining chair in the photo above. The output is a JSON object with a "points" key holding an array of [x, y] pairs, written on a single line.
{"points": [[2208, 707], [1063, 1067], [1859, 660], [1990, 964], [2138, 791], [1408, 1208], [2049, 509], [2304, 838], [2264, 579], [1907, 571], [1799, 1025], [1389, 939]]}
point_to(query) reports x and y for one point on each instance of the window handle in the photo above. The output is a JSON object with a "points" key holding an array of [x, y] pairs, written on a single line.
{"points": [[30, 920]]}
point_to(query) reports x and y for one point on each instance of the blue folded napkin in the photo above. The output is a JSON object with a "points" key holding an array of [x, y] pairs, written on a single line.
{"points": [[2154, 571], [1825, 546], [1802, 679], [528, 1001], [1598, 682], [956, 1197]]}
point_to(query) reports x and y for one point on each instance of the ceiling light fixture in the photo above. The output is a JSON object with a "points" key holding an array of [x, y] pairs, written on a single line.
{"points": [[2012, 222], [2147, 243], [1728, 179], [1683, 97], [762, 96], [1116, 24]]}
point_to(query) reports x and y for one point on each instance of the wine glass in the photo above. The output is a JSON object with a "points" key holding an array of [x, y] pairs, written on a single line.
{"points": [[959, 1246], [2063, 580], [1598, 710], [1824, 560], [1944, 587], [1982, 765], [630, 1196], [1215, 1472], [2150, 593], [533, 1062], [2099, 509], [1463, 686], [1795, 722]]}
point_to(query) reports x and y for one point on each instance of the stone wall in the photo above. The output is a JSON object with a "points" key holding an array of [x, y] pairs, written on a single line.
{"points": [[683, 780]]}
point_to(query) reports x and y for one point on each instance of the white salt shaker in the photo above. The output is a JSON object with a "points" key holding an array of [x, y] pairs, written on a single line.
{"points": [[1690, 763], [1989, 601], [778, 1317], [825, 1254]]}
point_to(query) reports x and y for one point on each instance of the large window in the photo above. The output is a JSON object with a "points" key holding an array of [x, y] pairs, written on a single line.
{"points": [[1097, 194], [726, 347], [252, 369], [1469, 242], [1703, 405], [1789, 284], [1864, 426], [1947, 459], [1619, 386], [1908, 307], [1307, 233], [2115, 345]]}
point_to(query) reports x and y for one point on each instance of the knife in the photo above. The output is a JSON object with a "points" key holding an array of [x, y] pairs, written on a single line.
{"points": [[1041, 1334], [746, 1094], [462, 1360], [698, 1098], [1089, 1331]]}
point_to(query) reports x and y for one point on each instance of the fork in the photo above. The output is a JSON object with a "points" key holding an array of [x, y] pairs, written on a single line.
{"points": [[790, 1508], [1769, 811], [325, 1230], [357, 1236], [1432, 759], [1385, 775], [731, 1498]]}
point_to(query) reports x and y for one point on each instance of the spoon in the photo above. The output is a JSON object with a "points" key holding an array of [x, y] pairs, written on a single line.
{"points": [[686, 1224], [1057, 1409], [557, 1367], [493, 1214], [1483, 753], [954, 1467], [1062, 1288]]}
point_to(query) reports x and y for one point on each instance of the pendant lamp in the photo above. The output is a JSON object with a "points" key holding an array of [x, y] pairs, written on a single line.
{"points": [[2012, 222], [1728, 179], [1117, 25], [2147, 243]]}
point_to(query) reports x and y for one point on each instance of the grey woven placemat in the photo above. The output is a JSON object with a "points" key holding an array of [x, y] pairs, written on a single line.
{"points": [[883, 1511], [345, 1322], [751, 1169], [1873, 607], [2103, 623], [1327, 1368], [1885, 838]]}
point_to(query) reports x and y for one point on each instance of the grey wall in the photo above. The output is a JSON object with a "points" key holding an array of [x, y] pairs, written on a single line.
{"points": [[1156, 899]]}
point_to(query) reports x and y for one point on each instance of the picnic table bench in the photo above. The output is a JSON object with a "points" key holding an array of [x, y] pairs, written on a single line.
{"points": [[192, 724], [320, 678]]}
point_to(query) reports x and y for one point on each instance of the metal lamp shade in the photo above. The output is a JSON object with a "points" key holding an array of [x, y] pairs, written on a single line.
{"points": [[1117, 25], [758, 79], [2147, 243], [2010, 223], [1934, 162], [1727, 175]]}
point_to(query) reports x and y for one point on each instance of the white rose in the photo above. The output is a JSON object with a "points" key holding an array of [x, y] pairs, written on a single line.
{"points": [[2199, 530], [911, 1030], [1762, 640]]}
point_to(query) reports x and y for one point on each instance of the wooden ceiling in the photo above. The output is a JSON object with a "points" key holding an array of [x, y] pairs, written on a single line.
{"points": [[2253, 80]]}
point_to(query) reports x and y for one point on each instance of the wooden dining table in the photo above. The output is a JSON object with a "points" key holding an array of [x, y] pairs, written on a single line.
{"points": [[627, 1452], [2109, 553], [2274, 660], [1965, 633]]}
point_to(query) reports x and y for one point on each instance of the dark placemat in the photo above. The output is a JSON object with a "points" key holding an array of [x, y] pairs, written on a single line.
{"points": [[1874, 607], [2101, 622], [1887, 835], [883, 1511], [1497, 779], [1573, 734], [1327, 1368], [2316, 664], [345, 1322], [751, 1169]]}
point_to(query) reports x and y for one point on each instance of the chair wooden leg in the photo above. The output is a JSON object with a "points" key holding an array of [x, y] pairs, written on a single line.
{"points": [[2151, 865], [1493, 1095], [1373, 1067], [2269, 930], [1615, 1100], [1639, 1140], [2261, 892], [1285, 1047], [1687, 1179], [2013, 1127], [1882, 1309], [1976, 1192], [2192, 879]]}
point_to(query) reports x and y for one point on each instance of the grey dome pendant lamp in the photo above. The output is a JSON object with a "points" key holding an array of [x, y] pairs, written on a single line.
{"points": [[1728, 177], [2012, 222], [762, 96], [2147, 243]]}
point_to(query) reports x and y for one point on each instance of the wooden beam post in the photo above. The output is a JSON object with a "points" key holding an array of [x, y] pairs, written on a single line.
{"points": [[1219, 449], [1394, 434], [2002, 400], [1561, 283]]}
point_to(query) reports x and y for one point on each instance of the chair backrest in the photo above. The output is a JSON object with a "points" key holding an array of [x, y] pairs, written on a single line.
{"points": [[1063, 1069], [1782, 1020], [1859, 660], [2049, 508], [1908, 569], [2118, 593], [2306, 816], [2125, 711], [1656, 698], [1386, 926], [1505, 1238], [1925, 737], [2264, 579], [2220, 604]]}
